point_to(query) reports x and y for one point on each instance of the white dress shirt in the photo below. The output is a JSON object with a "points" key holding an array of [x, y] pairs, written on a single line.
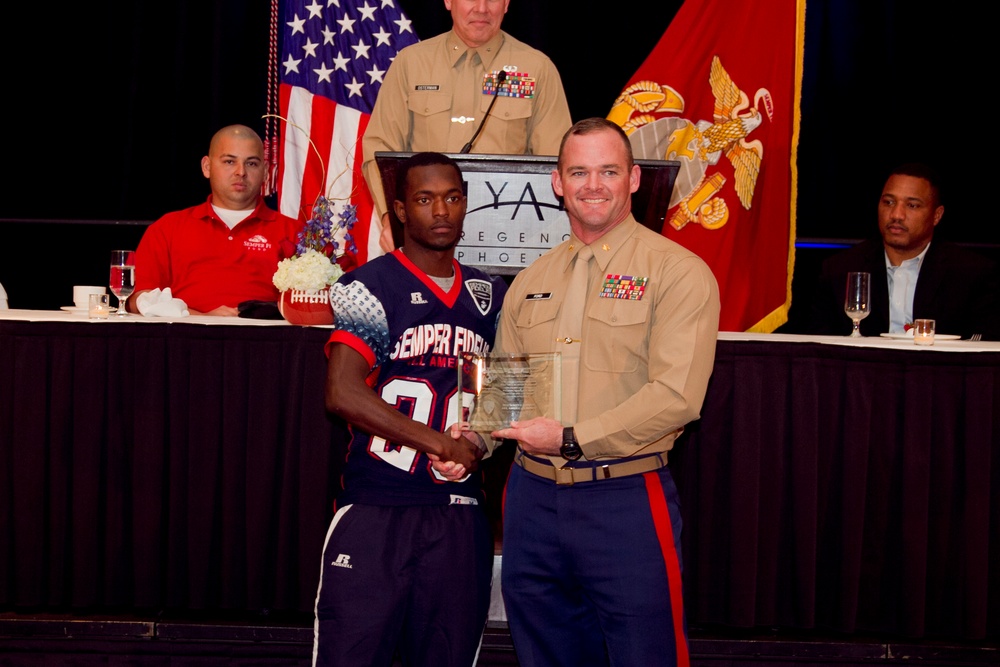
{"points": [[902, 286]]}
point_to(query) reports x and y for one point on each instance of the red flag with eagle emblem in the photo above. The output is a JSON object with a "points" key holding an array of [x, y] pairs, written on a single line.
{"points": [[720, 94]]}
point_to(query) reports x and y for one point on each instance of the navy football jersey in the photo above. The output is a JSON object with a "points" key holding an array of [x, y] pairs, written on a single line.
{"points": [[410, 331]]}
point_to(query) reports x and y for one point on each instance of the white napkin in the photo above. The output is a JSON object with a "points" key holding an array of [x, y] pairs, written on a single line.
{"points": [[161, 303]]}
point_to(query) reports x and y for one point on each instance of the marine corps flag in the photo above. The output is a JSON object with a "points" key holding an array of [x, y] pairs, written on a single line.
{"points": [[720, 94]]}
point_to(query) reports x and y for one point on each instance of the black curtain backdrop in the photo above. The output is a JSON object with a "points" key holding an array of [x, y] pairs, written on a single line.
{"points": [[109, 108]]}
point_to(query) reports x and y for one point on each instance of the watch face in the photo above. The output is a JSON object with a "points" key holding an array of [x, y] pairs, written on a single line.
{"points": [[570, 451]]}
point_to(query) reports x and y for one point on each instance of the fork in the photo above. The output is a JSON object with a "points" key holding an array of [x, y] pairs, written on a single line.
{"points": [[976, 336]]}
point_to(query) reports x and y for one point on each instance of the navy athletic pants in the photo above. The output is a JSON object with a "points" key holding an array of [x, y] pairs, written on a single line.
{"points": [[413, 579]]}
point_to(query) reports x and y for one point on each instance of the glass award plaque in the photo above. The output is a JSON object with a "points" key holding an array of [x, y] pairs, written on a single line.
{"points": [[502, 388]]}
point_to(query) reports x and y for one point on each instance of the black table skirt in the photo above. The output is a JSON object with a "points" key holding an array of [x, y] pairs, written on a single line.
{"points": [[165, 465], [179, 466], [851, 489]]}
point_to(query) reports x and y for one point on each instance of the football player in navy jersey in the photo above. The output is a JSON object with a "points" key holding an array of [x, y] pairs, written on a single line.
{"points": [[408, 556]]}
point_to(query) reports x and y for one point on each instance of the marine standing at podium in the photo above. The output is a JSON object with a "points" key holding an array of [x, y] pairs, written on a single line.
{"points": [[437, 91]]}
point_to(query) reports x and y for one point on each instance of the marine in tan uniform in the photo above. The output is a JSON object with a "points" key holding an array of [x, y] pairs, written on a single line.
{"points": [[437, 91], [591, 551]]}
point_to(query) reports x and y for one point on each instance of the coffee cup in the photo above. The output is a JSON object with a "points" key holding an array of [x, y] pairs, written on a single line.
{"points": [[81, 294]]}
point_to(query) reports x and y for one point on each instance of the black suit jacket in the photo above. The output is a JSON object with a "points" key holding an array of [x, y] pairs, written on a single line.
{"points": [[957, 288]]}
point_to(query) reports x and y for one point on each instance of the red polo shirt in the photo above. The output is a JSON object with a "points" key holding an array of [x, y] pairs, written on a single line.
{"points": [[207, 264]]}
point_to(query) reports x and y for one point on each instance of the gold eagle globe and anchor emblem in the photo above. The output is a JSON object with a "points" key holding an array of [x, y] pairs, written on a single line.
{"points": [[697, 146]]}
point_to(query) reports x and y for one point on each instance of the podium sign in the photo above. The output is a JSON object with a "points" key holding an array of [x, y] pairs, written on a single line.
{"points": [[513, 215]]}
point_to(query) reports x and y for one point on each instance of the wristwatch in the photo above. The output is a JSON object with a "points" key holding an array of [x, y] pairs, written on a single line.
{"points": [[570, 449]]}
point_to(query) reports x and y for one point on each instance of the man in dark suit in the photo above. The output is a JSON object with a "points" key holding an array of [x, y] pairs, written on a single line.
{"points": [[911, 276]]}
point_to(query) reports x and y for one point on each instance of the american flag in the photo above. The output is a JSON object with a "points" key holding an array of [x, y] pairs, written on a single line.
{"points": [[333, 59]]}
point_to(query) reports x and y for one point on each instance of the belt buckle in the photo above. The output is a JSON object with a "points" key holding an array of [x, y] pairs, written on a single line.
{"points": [[564, 476]]}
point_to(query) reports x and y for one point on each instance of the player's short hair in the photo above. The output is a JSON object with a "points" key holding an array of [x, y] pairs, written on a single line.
{"points": [[425, 159]]}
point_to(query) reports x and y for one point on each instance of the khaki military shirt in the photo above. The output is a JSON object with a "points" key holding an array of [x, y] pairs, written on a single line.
{"points": [[645, 362], [433, 99]]}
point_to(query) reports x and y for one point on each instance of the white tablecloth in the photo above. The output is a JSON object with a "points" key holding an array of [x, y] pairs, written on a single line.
{"points": [[870, 341], [866, 341]]}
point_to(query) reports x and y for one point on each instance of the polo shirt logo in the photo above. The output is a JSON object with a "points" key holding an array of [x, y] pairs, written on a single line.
{"points": [[257, 243]]}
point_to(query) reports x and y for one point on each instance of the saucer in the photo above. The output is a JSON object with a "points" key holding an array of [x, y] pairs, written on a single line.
{"points": [[909, 336], [77, 310]]}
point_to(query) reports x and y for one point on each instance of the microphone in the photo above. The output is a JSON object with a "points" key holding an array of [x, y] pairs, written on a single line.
{"points": [[501, 77]]}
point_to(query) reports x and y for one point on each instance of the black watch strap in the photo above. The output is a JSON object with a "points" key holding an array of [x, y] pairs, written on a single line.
{"points": [[570, 449]]}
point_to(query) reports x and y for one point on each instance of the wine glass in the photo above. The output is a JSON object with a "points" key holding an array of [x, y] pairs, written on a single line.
{"points": [[122, 277], [857, 303]]}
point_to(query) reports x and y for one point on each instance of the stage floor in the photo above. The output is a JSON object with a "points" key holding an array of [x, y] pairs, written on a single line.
{"points": [[274, 640]]}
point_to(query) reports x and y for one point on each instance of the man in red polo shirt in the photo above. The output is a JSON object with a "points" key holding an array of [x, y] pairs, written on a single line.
{"points": [[222, 252]]}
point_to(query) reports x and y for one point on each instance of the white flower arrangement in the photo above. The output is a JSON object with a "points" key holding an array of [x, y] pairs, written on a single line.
{"points": [[312, 270]]}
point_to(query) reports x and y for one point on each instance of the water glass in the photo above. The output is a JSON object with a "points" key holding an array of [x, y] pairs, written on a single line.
{"points": [[857, 300], [122, 279]]}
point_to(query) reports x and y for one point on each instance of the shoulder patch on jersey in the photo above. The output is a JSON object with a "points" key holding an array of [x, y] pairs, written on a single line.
{"points": [[482, 293]]}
